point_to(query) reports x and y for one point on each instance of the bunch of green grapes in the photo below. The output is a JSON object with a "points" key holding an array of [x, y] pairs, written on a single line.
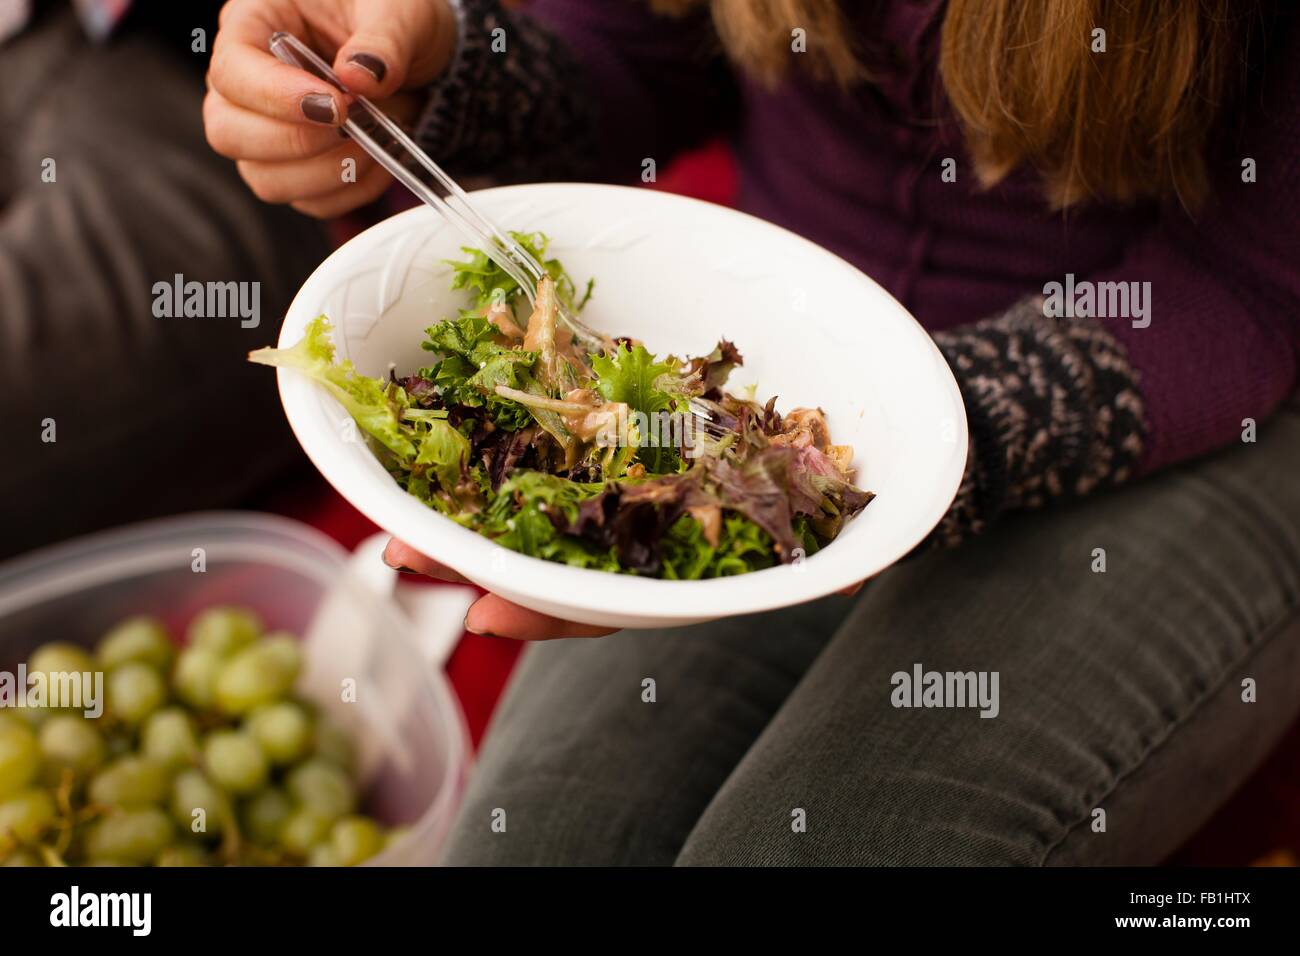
{"points": [[203, 756]]}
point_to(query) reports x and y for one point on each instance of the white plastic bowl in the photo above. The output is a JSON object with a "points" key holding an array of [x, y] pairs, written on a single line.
{"points": [[413, 749], [678, 274]]}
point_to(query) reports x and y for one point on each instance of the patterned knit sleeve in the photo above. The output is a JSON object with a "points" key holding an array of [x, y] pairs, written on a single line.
{"points": [[1061, 407], [512, 103], [1054, 410], [574, 89]]}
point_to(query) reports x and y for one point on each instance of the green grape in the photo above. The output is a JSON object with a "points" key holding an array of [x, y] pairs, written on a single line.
{"points": [[158, 793], [224, 629], [195, 677], [139, 639], [254, 676], [323, 854], [355, 840], [130, 836], [60, 658], [234, 761], [192, 791], [25, 814], [169, 737], [282, 730], [68, 673], [286, 648], [264, 815], [182, 854], [134, 692], [130, 781], [321, 786], [71, 743], [334, 744], [20, 758], [303, 829]]}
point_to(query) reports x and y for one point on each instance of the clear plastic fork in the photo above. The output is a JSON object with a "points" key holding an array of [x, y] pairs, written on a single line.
{"points": [[411, 166]]}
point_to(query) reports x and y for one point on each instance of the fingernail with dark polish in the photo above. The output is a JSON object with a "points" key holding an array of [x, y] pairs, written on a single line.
{"points": [[405, 570], [371, 64], [319, 108]]}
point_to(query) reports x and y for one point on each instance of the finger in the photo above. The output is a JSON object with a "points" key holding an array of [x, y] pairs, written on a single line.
{"points": [[392, 48], [244, 72], [373, 61], [852, 589], [352, 196], [495, 616], [307, 178], [402, 557], [237, 133]]}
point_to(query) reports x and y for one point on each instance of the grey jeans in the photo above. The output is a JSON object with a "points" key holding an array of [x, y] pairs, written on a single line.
{"points": [[107, 186], [1133, 700]]}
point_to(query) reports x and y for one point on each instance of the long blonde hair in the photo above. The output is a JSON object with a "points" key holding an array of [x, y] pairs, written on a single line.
{"points": [[1028, 89]]}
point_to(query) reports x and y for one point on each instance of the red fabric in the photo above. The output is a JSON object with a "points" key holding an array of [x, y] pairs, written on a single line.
{"points": [[708, 173]]}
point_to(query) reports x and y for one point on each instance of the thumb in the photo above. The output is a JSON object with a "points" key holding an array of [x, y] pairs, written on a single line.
{"points": [[376, 60]]}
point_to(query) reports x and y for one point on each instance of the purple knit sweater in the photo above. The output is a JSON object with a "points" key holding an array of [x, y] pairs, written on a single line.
{"points": [[862, 173]]}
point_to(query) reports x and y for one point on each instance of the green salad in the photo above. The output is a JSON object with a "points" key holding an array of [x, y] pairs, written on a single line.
{"points": [[623, 461]]}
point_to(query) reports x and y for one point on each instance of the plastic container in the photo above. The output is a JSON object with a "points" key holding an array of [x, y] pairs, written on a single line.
{"points": [[410, 733]]}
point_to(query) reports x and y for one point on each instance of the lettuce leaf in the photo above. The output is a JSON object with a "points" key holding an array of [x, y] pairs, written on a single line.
{"points": [[632, 376], [756, 488], [444, 451], [742, 547], [489, 282], [375, 405], [472, 337], [526, 514], [775, 485], [553, 494], [473, 363]]}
